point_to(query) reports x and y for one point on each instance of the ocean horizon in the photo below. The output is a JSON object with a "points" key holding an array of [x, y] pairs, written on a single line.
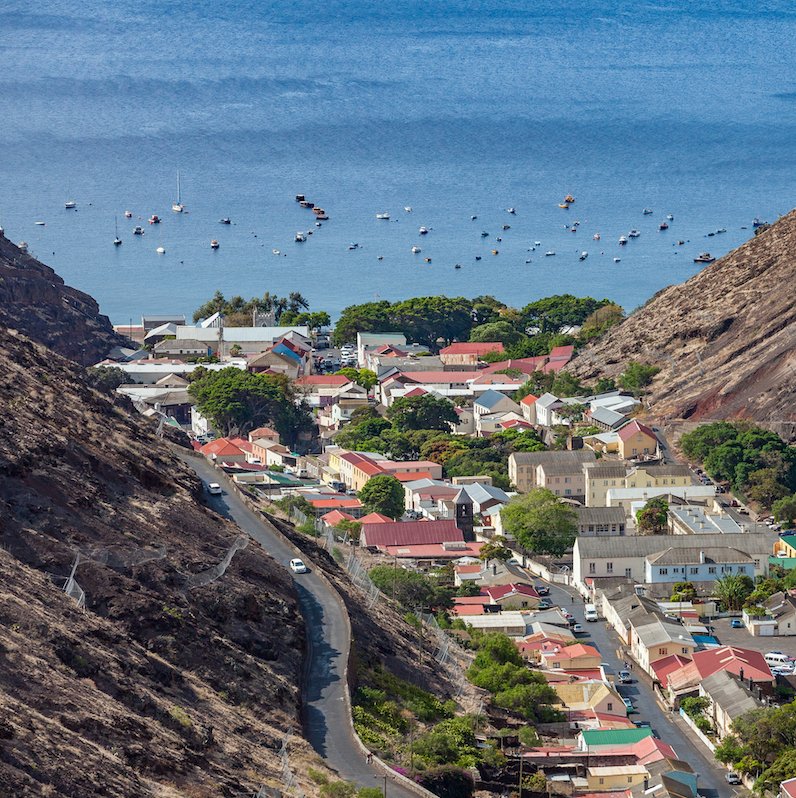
{"points": [[453, 110]]}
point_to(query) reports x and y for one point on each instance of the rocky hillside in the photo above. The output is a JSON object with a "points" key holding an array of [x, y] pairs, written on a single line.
{"points": [[167, 683], [725, 340], [35, 301]]}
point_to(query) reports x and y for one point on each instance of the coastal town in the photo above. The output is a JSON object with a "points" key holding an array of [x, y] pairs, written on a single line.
{"points": [[651, 601]]}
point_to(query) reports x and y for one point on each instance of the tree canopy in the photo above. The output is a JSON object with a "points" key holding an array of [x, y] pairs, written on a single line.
{"points": [[237, 401], [383, 494], [422, 412], [637, 376], [540, 522], [238, 311], [652, 518], [554, 313]]}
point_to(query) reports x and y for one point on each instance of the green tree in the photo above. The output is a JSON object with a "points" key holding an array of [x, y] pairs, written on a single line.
{"points": [[368, 317], [732, 590], [106, 378], [410, 588], [552, 314], [383, 494], [350, 528], [567, 385], [683, 591], [422, 412], [540, 522], [495, 549], [652, 518], [237, 401], [764, 486], [637, 376], [315, 321], [502, 331], [784, 509]]}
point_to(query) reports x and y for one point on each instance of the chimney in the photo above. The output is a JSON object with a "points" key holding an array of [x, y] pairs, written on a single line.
{"points": [[702, 557], [740, 674], [759, 693]]}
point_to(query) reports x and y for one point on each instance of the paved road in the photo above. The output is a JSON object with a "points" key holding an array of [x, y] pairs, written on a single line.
{"points": [[326, 722], [666, 725]]}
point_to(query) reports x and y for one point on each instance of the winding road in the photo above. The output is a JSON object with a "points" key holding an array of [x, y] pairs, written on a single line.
{"points": [[327, 722]]}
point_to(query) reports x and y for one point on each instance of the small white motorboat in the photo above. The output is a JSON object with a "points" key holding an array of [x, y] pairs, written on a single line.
{"points": [[408, 208], [301, 237], [214, 244], [670, 217], [512, 211], [583, 255], [40, 224], [383, 216], [596, 237], [633, 234], [128, 214], [617, 260], [353, 245], [69, 204], [416, 250], [138, 231], [423, 231], [549, 253], [275, 252], [537, 243], [161, 250], [622, 240], [647, 211], [225, 220]]}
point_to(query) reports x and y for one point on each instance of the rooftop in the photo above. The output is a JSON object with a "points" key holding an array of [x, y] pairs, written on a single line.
{"points": [[644, 545], [593, 737], [633, 427], [411, 533], [468, 348]]}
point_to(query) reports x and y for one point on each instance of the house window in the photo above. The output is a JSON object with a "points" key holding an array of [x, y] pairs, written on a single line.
{"points": [[694, 571], [662, 651], [629, 779], [567, 491], [609, 567], [566, 480], [757, 563], [684, 650], [592, 568], [591, 527], [602, 780], [663, 571], [610, 706], [628, 573], [711, 569]]}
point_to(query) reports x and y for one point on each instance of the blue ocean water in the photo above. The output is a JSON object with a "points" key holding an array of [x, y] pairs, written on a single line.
{"points": [[455, 109]]}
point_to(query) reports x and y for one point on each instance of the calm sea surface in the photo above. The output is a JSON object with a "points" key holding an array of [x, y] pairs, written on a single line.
{"points": [[455, 109]]}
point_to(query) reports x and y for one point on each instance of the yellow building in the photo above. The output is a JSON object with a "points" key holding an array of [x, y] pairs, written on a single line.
{"points": [[594, 695], [618, 777], [637, 440], [785, 546], [659, 476]]}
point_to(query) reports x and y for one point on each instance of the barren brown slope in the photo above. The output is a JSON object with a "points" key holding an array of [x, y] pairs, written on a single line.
{"points": [[157, 688], [35, 301], [725, 340]]}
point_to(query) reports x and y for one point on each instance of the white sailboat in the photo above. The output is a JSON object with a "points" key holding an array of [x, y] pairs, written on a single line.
{"points": [[178, 207], [117, 242]]}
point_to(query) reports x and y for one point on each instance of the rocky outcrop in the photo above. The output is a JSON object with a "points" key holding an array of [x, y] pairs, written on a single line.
{"points": [[725, 340], [35, 301], [165, 684]]}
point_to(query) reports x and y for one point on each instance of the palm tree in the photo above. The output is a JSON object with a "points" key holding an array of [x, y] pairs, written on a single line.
{"points": [[280, 306], [296, 302], [732, 590]]}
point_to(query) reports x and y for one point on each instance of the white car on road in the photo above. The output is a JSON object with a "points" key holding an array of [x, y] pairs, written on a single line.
{"points": [[214, 489], [298, 567]]}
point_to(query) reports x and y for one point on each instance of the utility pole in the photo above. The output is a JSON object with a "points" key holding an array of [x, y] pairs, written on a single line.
{"points": [[520, 784]]}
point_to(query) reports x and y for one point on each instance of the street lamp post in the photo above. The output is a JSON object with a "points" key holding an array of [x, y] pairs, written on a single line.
{"points": [[385, 784]]}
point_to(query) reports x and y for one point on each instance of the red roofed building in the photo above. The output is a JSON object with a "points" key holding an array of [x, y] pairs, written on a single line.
{"points": [[467, 353], [562, 353], [334, 501], [637, 440], [415, 392], [574, 657], [661, 668], [223, 449], [376, 518], [460, 610], [334, 517], [434, 552], [512, 596], [264, 434], [527, 365], [528, 405], [787, 789], [410, 533], [738, 661], [322, 379]]}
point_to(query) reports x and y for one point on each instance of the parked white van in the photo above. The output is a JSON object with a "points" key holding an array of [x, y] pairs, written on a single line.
{"points": [[776, 659], [590, 613]]}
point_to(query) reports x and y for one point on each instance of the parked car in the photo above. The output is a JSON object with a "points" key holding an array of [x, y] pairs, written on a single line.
{"points": [[732, 778], [542, 590], [214, 489], [298, 567], [544, 604], [642, 724], [629, 705], [625, 677], [577, 628], [736, 623]]}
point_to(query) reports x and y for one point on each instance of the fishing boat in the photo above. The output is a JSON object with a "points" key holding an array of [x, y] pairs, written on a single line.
{"points": [[415, 250], [70, 204], [306, 204], [596, 237], [622, 241], [583, 255], [512, 211], [39, 224], [408, 208], [23, 246], [564, 205], [670, 217], [549, 253], [617, 260], [214, 244], [633, 234], [154, 219], [225, 220], [758, 222], [569, 198], [300, 198], [138, 231], [383, 216], [704, 257], [647, 211], [423, 231], [458, 266], [353, 245], [117, 242], [473, 218], [128, 214], [663, 226], [301, 237], [426, 260], [320, 213], [161, 250], [177, 206]]}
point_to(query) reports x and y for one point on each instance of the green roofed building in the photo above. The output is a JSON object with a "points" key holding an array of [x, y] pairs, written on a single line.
{"points": [[595, 739]]}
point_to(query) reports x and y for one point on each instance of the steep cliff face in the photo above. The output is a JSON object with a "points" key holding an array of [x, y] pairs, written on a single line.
{"points": [[35, 301], [167, 683], [725, 340]]}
